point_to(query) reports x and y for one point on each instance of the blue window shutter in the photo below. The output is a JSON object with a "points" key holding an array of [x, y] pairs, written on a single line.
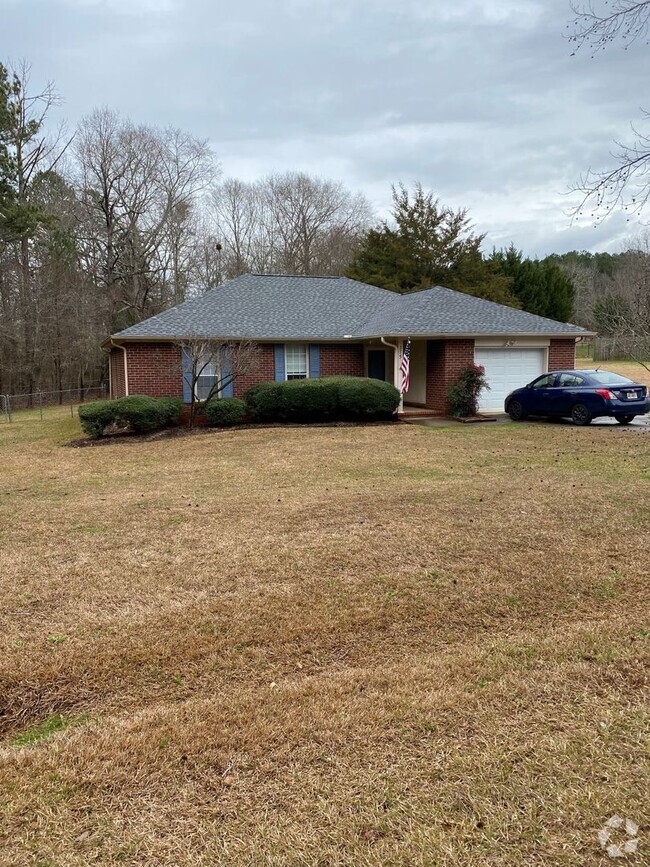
{"points": [[187, 374], [279, 362], [226, 372], [314, 361]]}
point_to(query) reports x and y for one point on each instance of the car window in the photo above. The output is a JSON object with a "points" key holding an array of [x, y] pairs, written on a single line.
{"points": [[570, 380], [603, 377], [544, 381]]}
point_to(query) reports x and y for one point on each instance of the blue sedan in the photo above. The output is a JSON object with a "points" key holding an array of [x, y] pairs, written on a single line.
{"points": [[581, 395]]}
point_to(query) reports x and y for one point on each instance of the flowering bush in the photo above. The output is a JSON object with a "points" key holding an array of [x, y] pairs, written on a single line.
{"points": [[463, 394]]}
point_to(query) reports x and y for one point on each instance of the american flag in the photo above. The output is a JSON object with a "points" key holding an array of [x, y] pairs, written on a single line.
{"points": [[405, 367]]}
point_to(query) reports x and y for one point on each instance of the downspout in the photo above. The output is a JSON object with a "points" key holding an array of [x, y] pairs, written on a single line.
{"points": [[110, 372], [396, 363]]}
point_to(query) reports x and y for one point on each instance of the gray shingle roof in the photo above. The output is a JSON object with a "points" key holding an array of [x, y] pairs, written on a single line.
{"points": [[270, 307], [443, 311], [279, 307]]}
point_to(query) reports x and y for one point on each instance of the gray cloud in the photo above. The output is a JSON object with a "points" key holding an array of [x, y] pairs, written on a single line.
{"points": [[480, 100]]}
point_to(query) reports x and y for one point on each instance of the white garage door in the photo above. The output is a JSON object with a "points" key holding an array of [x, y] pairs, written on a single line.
{"points": [[505, 370]]}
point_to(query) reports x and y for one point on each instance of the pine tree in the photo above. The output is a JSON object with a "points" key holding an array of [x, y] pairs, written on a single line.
{"points": [[7, 170]]}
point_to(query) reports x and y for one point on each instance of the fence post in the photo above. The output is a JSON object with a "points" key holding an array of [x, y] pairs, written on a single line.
{"points": [[40, 403], [8, 405]]}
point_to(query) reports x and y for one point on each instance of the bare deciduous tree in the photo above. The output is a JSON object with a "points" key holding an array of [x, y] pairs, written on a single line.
{"points": [[318, 223], [140, 186], [209, 366], [290, 223], [597, 25]]}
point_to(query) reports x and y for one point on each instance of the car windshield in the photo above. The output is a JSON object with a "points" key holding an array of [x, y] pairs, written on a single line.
{"points": [[602, 377]]}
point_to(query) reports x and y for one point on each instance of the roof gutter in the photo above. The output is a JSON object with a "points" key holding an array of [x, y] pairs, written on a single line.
{"points": [[314, 338]]}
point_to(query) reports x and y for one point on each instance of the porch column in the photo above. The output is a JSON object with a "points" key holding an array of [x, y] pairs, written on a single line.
{"points": [[397, 360]]}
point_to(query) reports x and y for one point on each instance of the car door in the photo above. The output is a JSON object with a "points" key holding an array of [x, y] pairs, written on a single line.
{"points": [[567, 393], [539, 395]]}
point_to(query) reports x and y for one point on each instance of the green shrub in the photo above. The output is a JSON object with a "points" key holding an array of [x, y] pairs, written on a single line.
{"points": [[312, 400], [262, 401], [362, 399], [96, 416], [225, 411], [145, 414], [463, 394], [170, 409], [139, 413], [335, 398]]}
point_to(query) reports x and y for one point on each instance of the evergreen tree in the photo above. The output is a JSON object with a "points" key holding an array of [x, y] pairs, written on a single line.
{"points": [[428, 244], [23, 154], [540, 286], [6, 163]]}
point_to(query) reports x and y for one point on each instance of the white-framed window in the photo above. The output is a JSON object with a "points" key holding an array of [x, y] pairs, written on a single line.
{"points": [[207, 373], [296, 360]]}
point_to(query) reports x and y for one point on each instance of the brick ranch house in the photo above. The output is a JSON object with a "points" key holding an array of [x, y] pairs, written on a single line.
{"points": [[332, 326]]}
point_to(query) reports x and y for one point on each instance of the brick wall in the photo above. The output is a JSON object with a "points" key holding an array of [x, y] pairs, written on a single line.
{"points": [[562, 354], [264, 370], [341, 359], [154, 369], [445, 360], [116, 361]]}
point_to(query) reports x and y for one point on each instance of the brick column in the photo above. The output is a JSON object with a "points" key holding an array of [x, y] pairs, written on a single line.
{"points": [[562, 354], [445, 360]]}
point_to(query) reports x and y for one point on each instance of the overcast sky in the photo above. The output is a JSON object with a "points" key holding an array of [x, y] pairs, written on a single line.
{"points": [[480, 100]]}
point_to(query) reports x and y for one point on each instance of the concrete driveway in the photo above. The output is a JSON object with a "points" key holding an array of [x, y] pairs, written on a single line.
{"points": [[640, 424]]}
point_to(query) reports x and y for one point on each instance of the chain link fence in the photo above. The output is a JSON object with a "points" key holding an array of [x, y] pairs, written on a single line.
{"points": [[42, 400]]}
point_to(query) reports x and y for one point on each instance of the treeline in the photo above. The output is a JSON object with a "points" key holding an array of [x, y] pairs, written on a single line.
{"points": [[612, 291], [115, 221]]}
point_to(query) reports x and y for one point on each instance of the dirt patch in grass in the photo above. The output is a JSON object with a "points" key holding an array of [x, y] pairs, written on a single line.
{"points": [[323, 646]]}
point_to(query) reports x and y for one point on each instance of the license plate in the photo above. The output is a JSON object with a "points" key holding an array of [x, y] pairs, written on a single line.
{"points": [[632, 395]]}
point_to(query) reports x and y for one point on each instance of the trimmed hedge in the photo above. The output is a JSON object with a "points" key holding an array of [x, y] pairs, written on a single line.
{"points": [[334, 398], [139, 413], [225, 411]]}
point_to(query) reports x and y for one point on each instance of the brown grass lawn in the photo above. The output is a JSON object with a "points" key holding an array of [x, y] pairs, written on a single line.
{"points": [[327, 646]]}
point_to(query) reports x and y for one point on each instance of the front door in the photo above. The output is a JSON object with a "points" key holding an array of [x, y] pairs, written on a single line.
{"points": [[377, 364]]}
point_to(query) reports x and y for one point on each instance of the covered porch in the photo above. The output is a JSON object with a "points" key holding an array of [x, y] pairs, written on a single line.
{"points": [[434, 364]]}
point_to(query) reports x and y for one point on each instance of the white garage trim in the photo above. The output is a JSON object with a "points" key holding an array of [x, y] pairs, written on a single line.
{"points": [[515, 342], [507, 368]]}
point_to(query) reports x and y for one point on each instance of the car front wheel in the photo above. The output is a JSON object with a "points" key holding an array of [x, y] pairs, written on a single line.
{"points": [[624, 419], [580, 415], [516, 410]]}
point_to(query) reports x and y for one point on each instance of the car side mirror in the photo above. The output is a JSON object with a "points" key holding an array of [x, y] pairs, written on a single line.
{"points": [[530, 385]]}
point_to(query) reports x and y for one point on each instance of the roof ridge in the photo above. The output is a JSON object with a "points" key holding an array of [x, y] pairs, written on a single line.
{"points": [[302, 276]]}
